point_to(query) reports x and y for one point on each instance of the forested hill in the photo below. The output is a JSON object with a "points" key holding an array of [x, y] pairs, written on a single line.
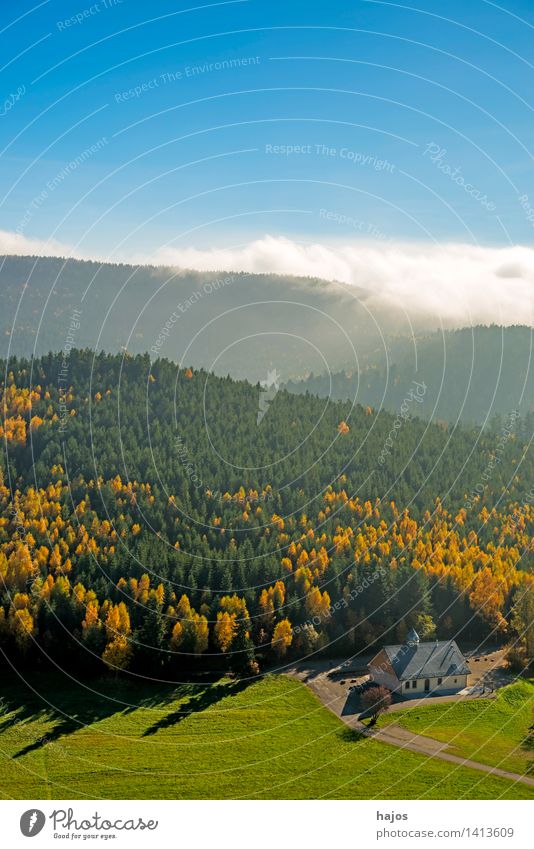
{"points": [[128, 413], [247, 325], [473, 375], [158, 514], [228, 322]]}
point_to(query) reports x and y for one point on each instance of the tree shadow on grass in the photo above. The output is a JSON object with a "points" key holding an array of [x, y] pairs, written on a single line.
{"points": [[351, 735], [66, 719], [197, 704], [528, 744], [51, 699], [70, 706]]}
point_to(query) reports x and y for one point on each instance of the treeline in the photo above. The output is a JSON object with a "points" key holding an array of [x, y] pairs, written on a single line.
{"points": [[149, 522], [477, 375]]}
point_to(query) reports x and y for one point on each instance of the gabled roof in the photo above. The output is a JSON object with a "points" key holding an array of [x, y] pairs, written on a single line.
{"points": [[427, 660]]}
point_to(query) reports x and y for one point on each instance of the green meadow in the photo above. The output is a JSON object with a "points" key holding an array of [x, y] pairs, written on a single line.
{"points": [[493, 731], [226, 739]]}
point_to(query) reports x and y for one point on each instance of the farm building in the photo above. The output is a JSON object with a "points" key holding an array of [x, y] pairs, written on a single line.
{"points": [[417, 668]]}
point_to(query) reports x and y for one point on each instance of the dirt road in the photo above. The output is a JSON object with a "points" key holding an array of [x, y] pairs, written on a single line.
{"points": [[330, 685]]}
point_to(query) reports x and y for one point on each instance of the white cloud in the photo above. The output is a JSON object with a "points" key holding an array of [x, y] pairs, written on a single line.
{"points": [[16, 243], [452, 283], [459, 284]]}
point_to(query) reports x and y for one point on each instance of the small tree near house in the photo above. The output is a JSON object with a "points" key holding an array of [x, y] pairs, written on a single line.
{"points": [[375, 700]]}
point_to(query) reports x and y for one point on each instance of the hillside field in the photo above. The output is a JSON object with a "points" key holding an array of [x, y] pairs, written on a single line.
{"points": [[492, 731], [225, 739]]}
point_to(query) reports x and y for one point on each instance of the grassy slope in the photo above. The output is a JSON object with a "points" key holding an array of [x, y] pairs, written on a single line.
{"points": [[271, 739], [488, 730]]}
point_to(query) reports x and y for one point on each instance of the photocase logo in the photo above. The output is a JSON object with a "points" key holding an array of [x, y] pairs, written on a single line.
{"points": [[32, 822], [269, 388]]}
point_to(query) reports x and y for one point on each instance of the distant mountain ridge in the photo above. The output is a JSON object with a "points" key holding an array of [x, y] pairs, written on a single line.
{"points": [[473, 375], [252, 325], [228, 322]]}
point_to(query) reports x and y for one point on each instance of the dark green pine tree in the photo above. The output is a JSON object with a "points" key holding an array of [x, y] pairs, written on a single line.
{"points": [[150, 639], [243, 657]]}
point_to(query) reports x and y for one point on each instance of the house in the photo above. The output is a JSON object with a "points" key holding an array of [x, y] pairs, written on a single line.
{"points": [[416, 668]]}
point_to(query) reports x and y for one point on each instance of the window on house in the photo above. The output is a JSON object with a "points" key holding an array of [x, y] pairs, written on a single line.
{"points": [[414, 685], [407, 685], [440, 680], [455, 680]]}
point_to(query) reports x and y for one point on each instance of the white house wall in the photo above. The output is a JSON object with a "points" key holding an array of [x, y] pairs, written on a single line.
{"points": [[448, 686]]}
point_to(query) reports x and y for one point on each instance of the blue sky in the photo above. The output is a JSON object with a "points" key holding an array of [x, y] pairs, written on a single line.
{"points": [[217, 124]]}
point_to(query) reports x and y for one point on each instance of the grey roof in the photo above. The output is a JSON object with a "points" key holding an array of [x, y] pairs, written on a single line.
{"points": [[427, 660]]}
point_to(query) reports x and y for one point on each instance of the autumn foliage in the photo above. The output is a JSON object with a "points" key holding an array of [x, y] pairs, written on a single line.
{"points": [[105, 566]]}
